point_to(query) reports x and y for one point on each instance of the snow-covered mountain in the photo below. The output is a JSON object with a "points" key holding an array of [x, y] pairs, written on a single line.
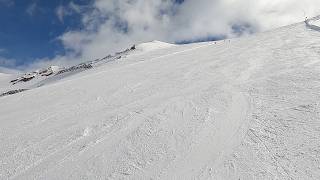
{"points": [[246, 108], [53, 74]]}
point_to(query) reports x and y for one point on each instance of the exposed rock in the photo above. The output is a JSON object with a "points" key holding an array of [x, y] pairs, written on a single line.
{"points": [[12, 92]]}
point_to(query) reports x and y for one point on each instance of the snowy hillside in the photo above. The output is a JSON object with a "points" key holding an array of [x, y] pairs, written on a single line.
{"points": [[244, 109]]}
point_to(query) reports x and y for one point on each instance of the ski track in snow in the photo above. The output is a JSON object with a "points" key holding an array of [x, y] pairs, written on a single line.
{"points": [[245, 109]]}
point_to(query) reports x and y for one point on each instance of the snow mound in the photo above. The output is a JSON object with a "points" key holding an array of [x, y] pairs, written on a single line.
{"points": [[4, 75], [153, 45], [8, 71], [4, 80]]}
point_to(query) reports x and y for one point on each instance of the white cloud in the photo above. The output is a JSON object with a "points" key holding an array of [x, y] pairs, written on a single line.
{"points": [[5, 62], [68, 10], [116, 24], [7, 3], [60, 12], [31, 9], [2, 50], [75, 7]]}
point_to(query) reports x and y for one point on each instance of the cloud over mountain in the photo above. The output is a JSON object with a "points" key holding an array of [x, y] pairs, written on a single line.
{"points": [[110, 26]]}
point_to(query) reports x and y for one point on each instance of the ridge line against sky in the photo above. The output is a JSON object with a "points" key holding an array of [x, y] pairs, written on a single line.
{"points": [[35, 33]]}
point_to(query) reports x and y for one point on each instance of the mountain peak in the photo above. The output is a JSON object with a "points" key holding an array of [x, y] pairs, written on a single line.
{"points": [[153, 45]]}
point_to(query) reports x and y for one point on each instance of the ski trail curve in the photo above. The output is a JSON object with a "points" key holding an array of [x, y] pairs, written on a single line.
{"points": [[219, 137]]}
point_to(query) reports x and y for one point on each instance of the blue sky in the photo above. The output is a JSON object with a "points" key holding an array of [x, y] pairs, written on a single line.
{"points": [[29, 28]]}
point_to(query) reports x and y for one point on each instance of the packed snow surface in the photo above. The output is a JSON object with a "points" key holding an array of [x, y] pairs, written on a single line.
{"points": [[244, 109]]}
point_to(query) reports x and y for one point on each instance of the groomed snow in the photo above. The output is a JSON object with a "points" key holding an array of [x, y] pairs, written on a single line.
{"points": [[244, 109], [4, 81]]}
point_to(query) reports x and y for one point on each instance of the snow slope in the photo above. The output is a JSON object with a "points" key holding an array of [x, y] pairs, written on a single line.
{"points": [[5, 80], [244, 109]]}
